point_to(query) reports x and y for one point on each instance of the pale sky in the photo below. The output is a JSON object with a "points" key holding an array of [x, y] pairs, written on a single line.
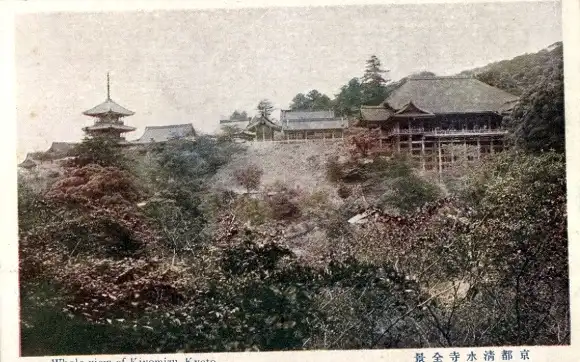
{"points": [[196, 66]]}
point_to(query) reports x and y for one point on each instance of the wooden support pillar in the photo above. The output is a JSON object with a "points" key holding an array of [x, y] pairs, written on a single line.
{"points": [[439, 151], [478, 149], [410, 142], [465, 149], [491, 146], [423, 153], [398, 144], [452, 153]]}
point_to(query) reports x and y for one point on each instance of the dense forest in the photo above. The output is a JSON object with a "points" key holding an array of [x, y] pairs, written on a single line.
{"points": [[134, 251]]}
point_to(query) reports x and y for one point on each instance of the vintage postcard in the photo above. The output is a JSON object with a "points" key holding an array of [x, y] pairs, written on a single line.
{"points": [[253, 181]]}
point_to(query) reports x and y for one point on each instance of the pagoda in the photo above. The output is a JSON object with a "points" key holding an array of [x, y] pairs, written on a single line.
{"points": [[108, 119]]}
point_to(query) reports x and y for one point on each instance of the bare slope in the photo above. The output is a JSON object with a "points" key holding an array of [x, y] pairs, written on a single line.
{"points": [[294, 164]]}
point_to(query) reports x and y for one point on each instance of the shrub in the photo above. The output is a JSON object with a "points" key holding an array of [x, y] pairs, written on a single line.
{"points": [[363, 141], [344, 191], [282, 207], [333, 169], [409, 193], [249, 177], [254, 211], [102, 151]]}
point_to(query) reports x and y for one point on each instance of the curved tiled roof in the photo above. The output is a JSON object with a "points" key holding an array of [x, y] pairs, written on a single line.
{"points": [[316, 124], [450, 95], [256, 121], [166, 133], [375, 113], [296, 120], [101, 126], [108, 107], [293, 116]]}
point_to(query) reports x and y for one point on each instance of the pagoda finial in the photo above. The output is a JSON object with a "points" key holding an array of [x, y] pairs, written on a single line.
{"points": [[108, 87]]}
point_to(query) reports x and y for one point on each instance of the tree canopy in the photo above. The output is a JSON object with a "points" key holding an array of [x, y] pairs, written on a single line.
{"points": [[313, 101], [265, 108], [237, 115], [520, 73], [349, 99], [537, 122], [374, 82]]}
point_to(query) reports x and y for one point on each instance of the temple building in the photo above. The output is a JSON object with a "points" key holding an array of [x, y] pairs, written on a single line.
{"points": [[157, 134], [262, 128], [305, 125], [108, 119], [438, 120]]}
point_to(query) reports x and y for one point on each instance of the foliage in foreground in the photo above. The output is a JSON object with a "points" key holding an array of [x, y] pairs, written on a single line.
{"points": [[186, 272]]}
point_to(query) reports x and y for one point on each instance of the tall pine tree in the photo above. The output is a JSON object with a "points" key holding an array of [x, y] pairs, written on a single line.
{"points": [[349, 99], [265, 108], [374, 82]]}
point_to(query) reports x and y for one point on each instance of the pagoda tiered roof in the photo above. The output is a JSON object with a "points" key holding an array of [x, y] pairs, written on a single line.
{"points": [[108, 108], [106, 126]]}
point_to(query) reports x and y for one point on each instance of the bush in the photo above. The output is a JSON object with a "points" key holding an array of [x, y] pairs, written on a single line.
{"points": [[249, 177], [282, 207], [409, 193], [101, 151], [333, 170], [344, 191], [254, 211]]}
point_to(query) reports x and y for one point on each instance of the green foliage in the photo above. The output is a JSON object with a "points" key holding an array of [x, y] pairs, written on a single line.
{"points": [[523, 237], [103, 151], [537, 122], [190, 162], [47, 330], [348, 101], [520, 73], [409, 193], [373, 82], [192, 270], [313, 101]]}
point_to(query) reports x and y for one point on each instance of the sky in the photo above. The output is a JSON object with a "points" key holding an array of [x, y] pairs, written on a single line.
{"points": [[197, 66]]}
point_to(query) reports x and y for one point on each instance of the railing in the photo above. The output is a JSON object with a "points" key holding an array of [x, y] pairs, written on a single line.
{"points": [[466, 131], [300, 140], [438, 132], [408, 130]]}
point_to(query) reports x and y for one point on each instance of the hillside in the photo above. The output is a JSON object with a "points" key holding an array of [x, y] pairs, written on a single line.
{"points": [[518, 74], [296, 164], [325, 246]]}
